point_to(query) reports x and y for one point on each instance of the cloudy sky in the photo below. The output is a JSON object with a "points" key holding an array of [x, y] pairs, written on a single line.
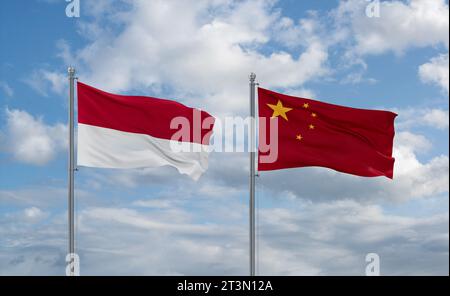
{"points": [[311, 221]]}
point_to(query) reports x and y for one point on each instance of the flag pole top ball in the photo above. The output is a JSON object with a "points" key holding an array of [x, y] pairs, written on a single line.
{"points": [[71, 70], [252, 76]]}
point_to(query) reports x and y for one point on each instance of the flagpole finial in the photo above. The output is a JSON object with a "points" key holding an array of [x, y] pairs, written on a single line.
{"points": [[71, 71], [252, 77]]}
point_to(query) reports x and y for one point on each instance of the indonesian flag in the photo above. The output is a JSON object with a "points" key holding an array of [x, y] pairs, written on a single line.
{"points": [[116, 131], [313, 133]]}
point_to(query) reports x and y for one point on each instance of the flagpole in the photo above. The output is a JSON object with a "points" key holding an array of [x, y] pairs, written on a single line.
{"points": [[252, 174], [71, 73]]}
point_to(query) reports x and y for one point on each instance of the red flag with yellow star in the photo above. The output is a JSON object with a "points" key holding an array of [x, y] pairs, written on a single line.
{"points": [[313, 133]]}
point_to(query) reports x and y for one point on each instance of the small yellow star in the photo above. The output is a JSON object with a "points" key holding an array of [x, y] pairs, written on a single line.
{"points": [[314, 115], [311, 126], [299, 137], [279, 110], [306, 105]]}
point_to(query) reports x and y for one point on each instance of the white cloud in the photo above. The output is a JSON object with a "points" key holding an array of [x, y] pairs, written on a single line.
{"points": [[44, 81], [33, 212], [125, 216], [153, 203], [302, 93], [305, 31], [436, 72], [357, 77], [30, 215], [415, 117], [337, 235], [401, 25], [437, 118], [301, 238], [30, 140], [32, 197], [205, 54], [412, 142], [4, 86], [65, 54]]}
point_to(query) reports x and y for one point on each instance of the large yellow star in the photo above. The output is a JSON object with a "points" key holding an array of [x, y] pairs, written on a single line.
{"points": [[279, 110]]}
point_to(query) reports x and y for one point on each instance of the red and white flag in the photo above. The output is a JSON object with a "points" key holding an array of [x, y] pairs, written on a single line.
{"points": [[116, 131]]}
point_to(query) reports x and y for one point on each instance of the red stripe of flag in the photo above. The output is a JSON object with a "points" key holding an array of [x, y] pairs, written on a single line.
{"points": [[137, 114]]}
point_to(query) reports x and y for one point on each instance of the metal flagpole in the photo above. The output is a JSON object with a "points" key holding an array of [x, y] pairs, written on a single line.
{"points": [[71, 72], [252, 174]]}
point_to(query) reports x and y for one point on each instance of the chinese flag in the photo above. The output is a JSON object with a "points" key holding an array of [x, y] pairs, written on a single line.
{"points": [[313, 133]]}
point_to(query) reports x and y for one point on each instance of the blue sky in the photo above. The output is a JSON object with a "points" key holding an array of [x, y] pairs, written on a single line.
{"points": [[155, 221]]}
